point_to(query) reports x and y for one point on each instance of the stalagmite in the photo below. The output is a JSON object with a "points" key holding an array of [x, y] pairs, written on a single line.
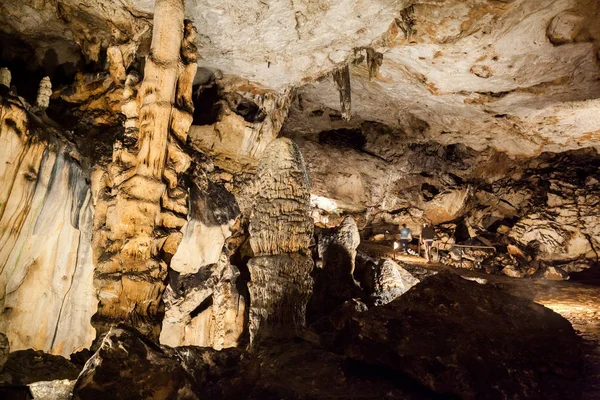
{"points": [[5, 77], [280, 233], [341, 77], [146, 168], [44, 93]]}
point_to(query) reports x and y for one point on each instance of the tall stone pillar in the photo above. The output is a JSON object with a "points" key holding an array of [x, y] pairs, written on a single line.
{"points": [[139, 199], [280, 233]]}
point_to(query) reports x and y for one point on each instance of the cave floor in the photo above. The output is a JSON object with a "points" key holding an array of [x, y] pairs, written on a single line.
{"points": [[577, 301]]}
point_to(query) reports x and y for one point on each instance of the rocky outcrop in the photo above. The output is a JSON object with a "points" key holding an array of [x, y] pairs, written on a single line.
{"points": [[334, 279], [128, 366], [46, 270], [280, 233], [24, 367], [207, 308], [454, 336], [239, 121], [4, 349]]}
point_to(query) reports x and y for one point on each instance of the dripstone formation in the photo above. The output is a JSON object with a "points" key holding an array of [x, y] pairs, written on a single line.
{"points": [[204, 199], [280, 234]]}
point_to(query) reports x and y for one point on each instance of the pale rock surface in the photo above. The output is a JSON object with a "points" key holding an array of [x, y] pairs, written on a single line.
{"points": [[555, 274], [280, 222], [44, 93], [46, 269], [390, 281], [205, 309], [53, 390], [212, 213], [5, 77]]}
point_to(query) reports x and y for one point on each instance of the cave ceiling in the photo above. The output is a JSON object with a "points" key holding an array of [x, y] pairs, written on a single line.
{"points": [[520, 76]]}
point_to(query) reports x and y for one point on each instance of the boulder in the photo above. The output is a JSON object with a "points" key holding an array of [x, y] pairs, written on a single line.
{"points": [[61, 389], [129, 366], [555, 274], [334, 282], [475, 341], [24, 367], [225, 374], [300, 370], [386, 280]]}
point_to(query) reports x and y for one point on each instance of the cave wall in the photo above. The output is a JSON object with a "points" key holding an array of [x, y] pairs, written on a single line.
{"points": [[46, 270]]}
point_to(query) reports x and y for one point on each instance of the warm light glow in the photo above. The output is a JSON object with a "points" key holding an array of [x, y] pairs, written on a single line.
{"points": [[396, 245]]}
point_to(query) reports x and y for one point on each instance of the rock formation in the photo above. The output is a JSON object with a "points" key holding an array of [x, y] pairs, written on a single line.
{"points": [[452, 359], [46, 268], [145, 200], [280, 233], [154, 172]]}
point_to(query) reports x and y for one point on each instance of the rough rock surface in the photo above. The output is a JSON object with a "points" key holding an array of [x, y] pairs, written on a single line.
{"points": [[334, 280], [453, 336], [205, 309], [300, 370], [46, 270], [280, 232], [128, 366], [4, 349], [52, 390], [280, 222], [386, 280], [139, 199], [28, 366]]}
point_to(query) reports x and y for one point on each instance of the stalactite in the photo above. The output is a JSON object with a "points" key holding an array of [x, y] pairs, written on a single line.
{"points": [[44, 93], [5, 77], [374, 61], [341, 77]]}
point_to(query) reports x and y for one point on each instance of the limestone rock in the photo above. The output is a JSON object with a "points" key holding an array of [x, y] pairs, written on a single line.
{"points": [[390, 281], [5, 77], [128, 366], [334, 281], [303, 371], [46, 214], [458, 337], [555, 274], [212, 212], [280, 288], [28, 366], [447, 206], [565, 27], [513, 272], [280, 221], [4, 349], [205, 309], [52, 390], [44, 93], [227, 374]]}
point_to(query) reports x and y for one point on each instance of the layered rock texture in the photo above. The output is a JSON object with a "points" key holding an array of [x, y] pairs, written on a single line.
{"points": [[280, 233], [140, 198], [181, 180], [46, 268]]}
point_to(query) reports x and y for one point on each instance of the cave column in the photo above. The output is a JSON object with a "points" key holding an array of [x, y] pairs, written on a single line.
{"points": [[280, 233], [142, 203]]}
